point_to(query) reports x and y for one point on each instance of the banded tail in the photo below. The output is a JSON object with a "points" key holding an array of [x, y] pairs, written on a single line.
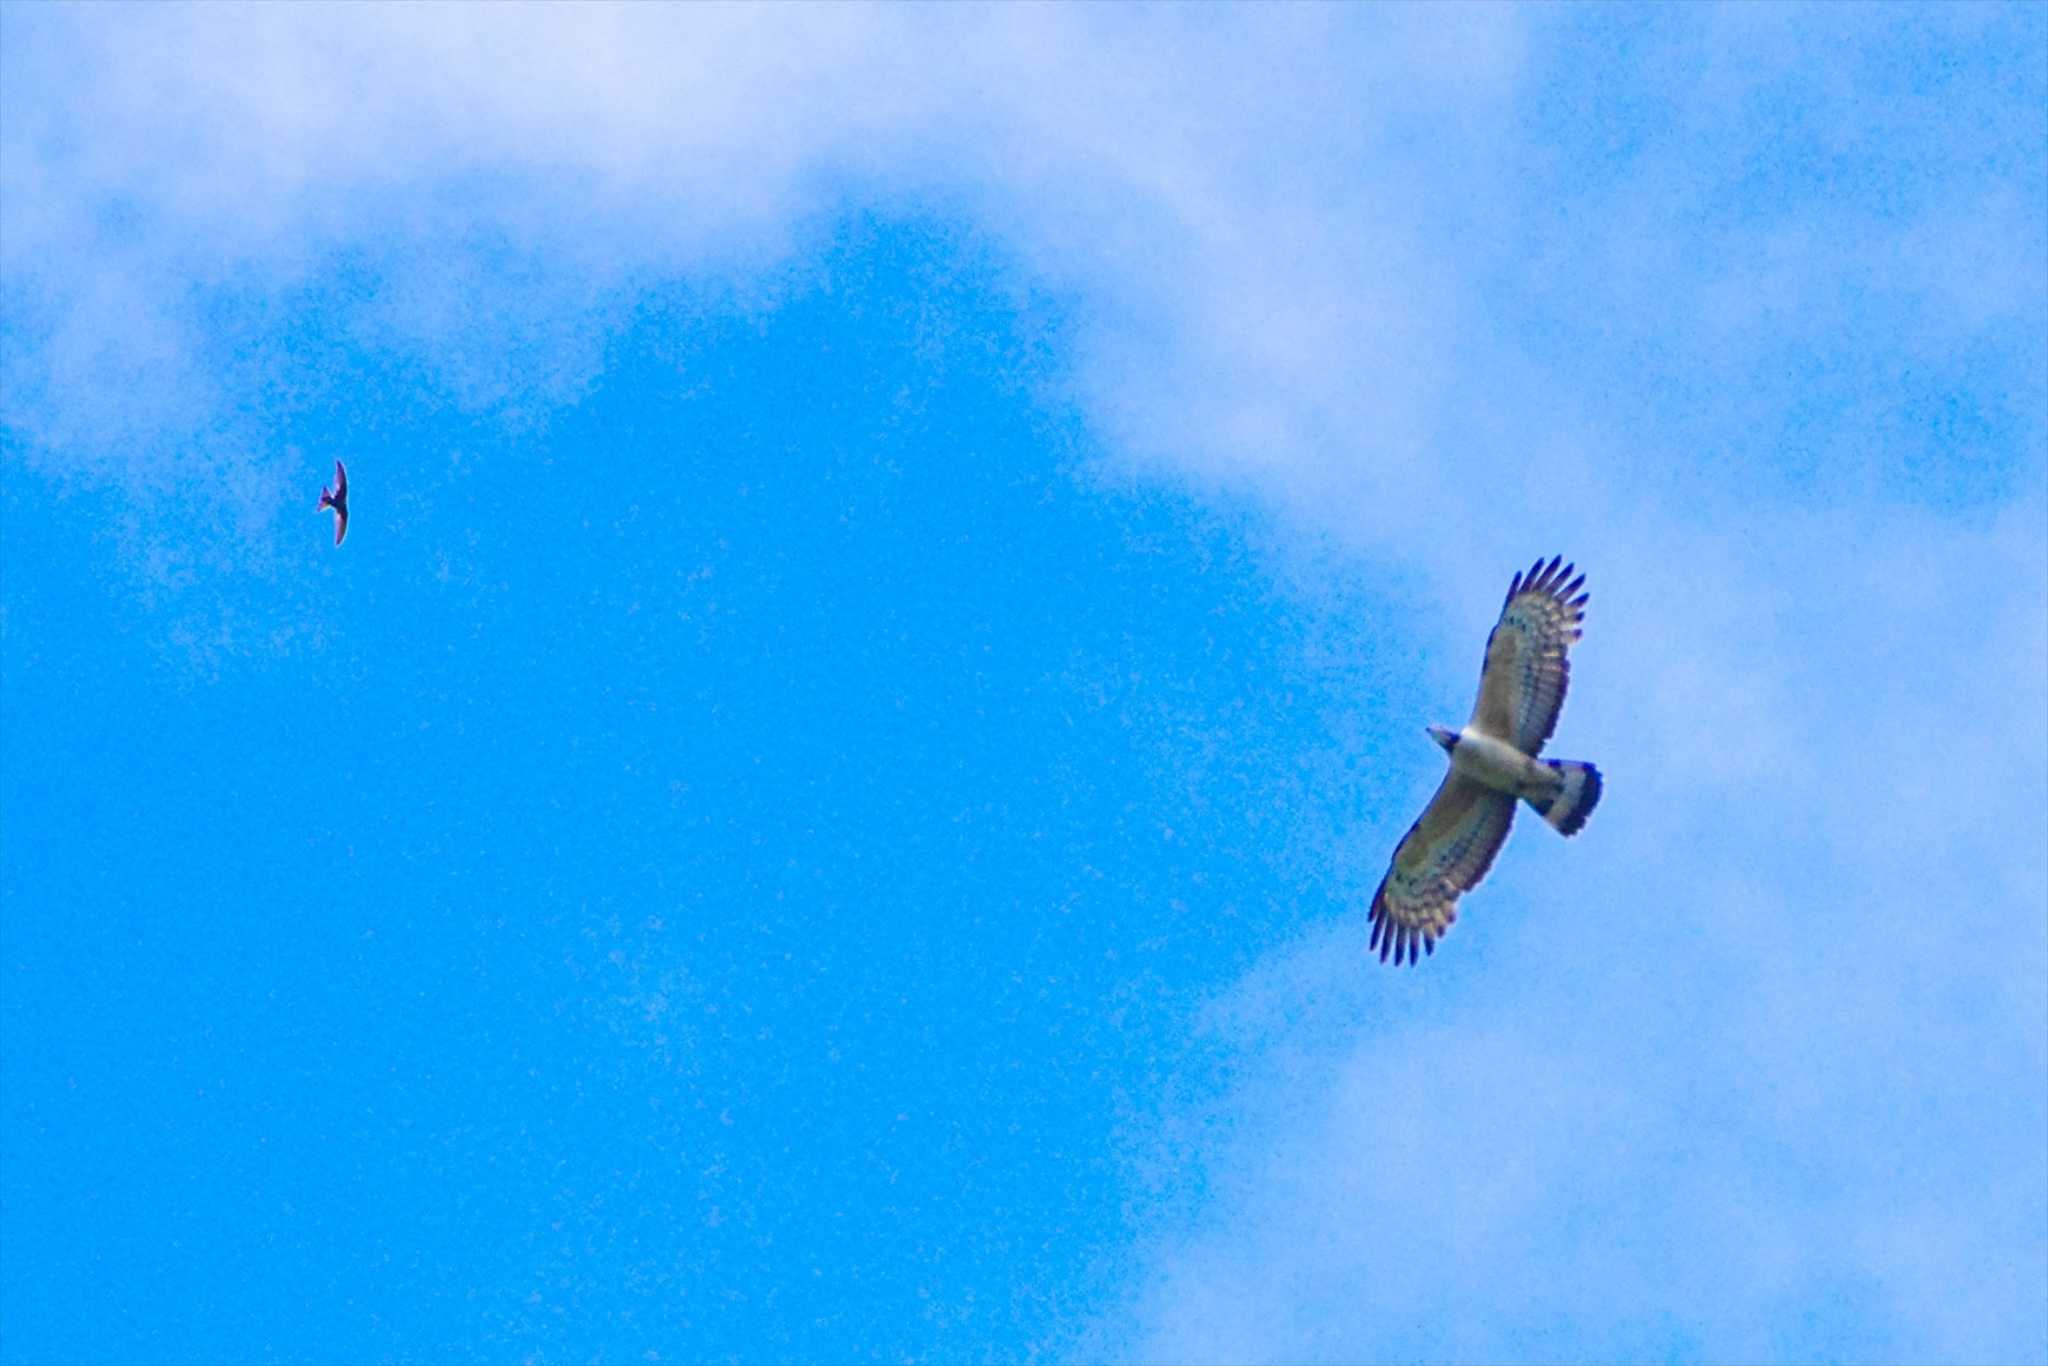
{"points": [[1577, 794]]}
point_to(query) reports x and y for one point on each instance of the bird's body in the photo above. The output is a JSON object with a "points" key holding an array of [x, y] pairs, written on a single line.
{"points": [[1494, 765], [1498, 765], [337, 498]]}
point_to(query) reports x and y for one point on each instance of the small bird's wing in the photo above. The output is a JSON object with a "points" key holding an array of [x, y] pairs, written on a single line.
{"points": [[340, 522], [1446, 852], [340, 483], [1522, 684]]}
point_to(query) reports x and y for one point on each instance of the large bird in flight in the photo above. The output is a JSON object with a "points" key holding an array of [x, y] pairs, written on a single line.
{"points": [[337, 498], [1493, 766]]}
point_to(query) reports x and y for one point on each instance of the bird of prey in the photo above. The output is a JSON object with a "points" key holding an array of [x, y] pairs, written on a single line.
{"points": [[1493, 766], [337, 498]]}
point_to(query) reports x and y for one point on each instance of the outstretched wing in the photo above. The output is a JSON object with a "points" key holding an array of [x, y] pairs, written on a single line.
{"points": [[1522, 685], [340, 521], [1446, 852], [340, 483]]}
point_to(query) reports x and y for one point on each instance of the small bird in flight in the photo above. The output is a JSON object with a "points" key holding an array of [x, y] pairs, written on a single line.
{"points": [[1493, 766], [337, 498]]}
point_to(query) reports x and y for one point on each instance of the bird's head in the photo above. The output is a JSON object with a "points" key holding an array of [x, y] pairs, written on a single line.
{"points": [[1446, 738]]}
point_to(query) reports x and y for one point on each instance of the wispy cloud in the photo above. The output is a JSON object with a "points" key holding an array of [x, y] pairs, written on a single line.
{"points": [[1316, 254], [1687, 1089]]}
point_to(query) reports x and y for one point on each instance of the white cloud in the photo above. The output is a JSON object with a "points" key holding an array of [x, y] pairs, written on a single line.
{"points": [[1697, 1081]]}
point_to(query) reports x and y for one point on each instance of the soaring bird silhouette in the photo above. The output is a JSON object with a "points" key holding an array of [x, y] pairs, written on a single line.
{"points": [[1493, 765], [337, 498]]}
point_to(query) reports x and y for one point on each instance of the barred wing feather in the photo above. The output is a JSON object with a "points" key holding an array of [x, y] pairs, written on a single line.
{"points": [[1446, 852], [1522, 685]]}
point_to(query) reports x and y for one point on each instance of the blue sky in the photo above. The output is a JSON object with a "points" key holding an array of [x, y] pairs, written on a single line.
{"points": [[900, 559]]}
